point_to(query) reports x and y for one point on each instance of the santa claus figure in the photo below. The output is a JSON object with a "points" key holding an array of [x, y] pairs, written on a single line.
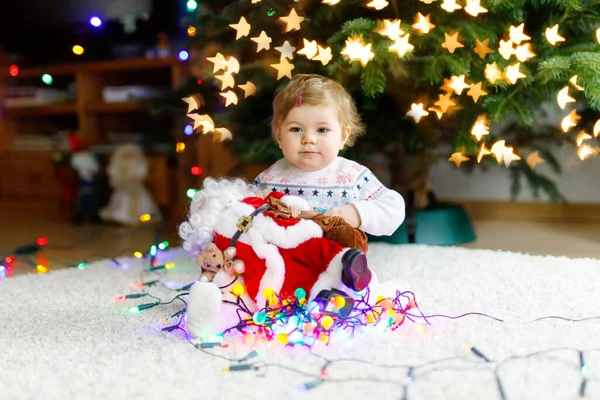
{"points": [[130, 199], [278, 254]]}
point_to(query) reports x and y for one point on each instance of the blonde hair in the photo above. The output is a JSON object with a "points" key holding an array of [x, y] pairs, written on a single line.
{"points": [[317, 90]]}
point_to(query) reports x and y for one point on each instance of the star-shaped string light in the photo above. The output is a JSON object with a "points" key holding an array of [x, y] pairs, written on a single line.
{"points": [[391, 29], [401, 45], [492, 72], [221, 134], [451, 43], [242, 28], [324, 55], [263, 41], [458, 158], [597, 128], [516, 34], [569, 121], [598, 35], [482, 48], [476, 92], [503, 153], [423, 25], [427, 1], [226, 81], [378, 4], [417, 112], [506, 48], [512, 73], [552, 35], [457, 83], [331, 2], [533, 159], [581, 136], [356, 50], [573, 81], [194, 102], [284, 68], [444, 102], [287, 50], [523, 52], [585, 151], [204, 121], [438, 111], [310, 49], [450, 6], [483, 151], [218, 61], [249, 89], [563, 98], [480, 128], [230, 97], [292, 21], [232, 65], [474, 8]]}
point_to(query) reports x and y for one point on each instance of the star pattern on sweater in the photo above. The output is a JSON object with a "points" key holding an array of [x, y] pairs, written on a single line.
{"points": [[315, 192], [366, 179], [286, 191], [274, 189], [344, 193], [300, 192], [329, 194]]}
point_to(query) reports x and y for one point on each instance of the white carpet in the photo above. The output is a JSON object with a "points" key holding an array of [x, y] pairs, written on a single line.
{"points": [[62, 336]]}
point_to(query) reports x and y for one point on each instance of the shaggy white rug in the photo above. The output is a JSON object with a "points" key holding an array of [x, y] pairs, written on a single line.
{"points": [[63, 336]]}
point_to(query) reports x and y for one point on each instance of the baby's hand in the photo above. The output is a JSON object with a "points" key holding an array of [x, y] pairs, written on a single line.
{"points": [[295, 211], [348, 213]]}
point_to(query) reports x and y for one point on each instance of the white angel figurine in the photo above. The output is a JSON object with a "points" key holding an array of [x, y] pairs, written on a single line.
{"points": [[130, 199]]}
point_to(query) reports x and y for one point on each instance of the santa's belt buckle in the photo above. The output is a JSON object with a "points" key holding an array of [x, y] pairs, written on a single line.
{"points": [[244, 223]]}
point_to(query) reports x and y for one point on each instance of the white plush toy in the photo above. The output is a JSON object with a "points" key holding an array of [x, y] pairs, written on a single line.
{"points": [[130, 198], [277, 255]]}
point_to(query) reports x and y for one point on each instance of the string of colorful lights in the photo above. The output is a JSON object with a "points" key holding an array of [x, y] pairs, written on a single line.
{"points": [[281, 318]]}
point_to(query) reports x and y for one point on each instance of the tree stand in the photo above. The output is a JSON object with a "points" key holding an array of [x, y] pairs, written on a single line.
{"points": [[441, 224]]}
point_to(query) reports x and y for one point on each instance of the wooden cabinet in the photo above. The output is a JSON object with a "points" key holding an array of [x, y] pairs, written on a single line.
{"points": [[30, 176]]}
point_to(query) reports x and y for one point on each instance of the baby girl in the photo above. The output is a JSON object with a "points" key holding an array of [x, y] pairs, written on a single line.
{"points": [[313, 119]]}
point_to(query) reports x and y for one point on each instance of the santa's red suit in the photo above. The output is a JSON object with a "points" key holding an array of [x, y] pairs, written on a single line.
{"points": [[281, 254]]}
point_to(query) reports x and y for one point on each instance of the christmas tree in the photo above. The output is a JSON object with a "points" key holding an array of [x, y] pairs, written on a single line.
{"points": [[433, 79]]}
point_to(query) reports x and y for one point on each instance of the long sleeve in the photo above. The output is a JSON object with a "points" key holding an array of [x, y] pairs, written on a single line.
{"points": [[381, 209]]}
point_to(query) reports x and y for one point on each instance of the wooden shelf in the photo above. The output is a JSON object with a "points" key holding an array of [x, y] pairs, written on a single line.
{"points": [[120, 107], [41, 110], [103, 66]]}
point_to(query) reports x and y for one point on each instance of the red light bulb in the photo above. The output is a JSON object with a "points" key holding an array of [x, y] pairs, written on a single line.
{"points": [[42, 241], [13, 70], [196, 170]]}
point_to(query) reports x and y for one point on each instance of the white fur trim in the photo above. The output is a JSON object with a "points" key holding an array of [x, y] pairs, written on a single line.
{"points": [[331, 277], [280, 236], [275, 272], [290, 237], [296, 201]]}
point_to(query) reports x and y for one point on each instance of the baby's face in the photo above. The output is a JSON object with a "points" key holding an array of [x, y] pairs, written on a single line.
{"points": [[312, 136]]}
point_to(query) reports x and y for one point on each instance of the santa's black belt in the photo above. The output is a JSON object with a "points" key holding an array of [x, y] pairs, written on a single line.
{"points": [[245, 222]]}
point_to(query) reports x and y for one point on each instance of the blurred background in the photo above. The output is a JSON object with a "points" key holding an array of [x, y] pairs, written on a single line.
{"points": [[99, 155]]}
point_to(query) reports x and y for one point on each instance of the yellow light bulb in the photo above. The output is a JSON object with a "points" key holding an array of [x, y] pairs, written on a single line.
{"points": [[77, 49], [180, 147], [191, 31], [137, 254], [145, 218], [169, 265], [238, 289]]}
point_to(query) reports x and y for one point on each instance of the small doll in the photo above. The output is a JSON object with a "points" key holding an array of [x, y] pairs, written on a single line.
{"points": [[130, 198]]}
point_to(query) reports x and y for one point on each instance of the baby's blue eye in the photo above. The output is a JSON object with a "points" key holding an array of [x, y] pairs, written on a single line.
{"points": [[296, 130], [322, 130]]}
